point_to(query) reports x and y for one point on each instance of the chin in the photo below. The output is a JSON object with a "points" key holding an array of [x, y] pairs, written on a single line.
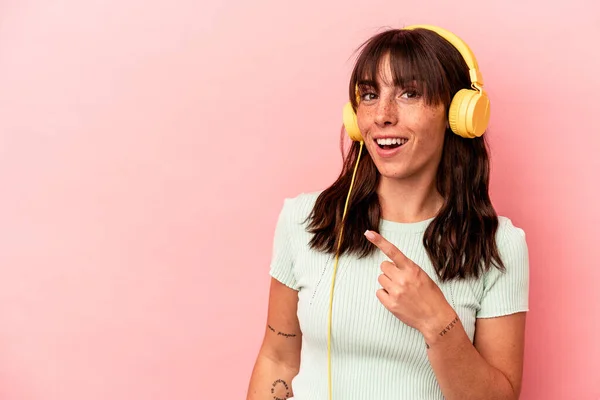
{"points": [[394, 173], [407, 168], [402, 171]]}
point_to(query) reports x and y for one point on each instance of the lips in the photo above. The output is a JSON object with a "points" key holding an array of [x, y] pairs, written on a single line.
{"points": [[387, 147], [390, 143]]}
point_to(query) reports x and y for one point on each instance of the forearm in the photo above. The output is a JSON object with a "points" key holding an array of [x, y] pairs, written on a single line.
{"points": [[271, 380], [461, 371]]}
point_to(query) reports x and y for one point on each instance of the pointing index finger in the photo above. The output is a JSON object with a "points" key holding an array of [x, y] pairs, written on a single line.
{"points": [[387, 248]]}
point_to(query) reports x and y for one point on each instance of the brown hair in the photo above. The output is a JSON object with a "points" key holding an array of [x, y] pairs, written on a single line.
{"points": [[460, 240]]}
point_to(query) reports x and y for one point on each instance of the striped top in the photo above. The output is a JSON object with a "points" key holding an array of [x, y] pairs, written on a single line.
{"points": [[374, 355]]}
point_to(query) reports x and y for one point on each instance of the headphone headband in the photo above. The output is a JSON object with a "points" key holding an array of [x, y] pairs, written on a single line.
{"points": [[461, 46]]}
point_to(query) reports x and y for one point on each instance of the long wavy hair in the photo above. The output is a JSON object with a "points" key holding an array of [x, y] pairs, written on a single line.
{"points": [[460, 241]]}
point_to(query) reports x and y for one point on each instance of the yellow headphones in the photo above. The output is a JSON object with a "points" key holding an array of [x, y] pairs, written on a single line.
{"points": [[469, 112], [468, 117]]}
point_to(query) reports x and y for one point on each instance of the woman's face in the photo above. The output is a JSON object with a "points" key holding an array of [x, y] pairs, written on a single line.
{"points": [[403, 135]]}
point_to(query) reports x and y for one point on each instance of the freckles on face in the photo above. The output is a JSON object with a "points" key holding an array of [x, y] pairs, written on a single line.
{"points": [[389, 113], [419, 122], [430, 124], [428, 130]]}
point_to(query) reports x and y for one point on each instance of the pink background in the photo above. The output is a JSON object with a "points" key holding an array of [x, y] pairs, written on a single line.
{"points": [[146, 148]]}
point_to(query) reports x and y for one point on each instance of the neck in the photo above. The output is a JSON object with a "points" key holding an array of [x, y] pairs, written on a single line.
{"points": [[408, 200]]}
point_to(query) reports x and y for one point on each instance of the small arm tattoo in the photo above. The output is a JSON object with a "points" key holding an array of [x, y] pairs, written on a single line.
{"points": [[446, 329], [281, 333], [280, 388], [450, 326]]}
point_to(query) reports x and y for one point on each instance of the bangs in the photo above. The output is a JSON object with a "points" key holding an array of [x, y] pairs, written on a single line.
{"points": [[413, 63]]}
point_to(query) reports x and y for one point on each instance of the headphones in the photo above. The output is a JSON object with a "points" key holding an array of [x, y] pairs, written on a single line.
{"points": [[469, 112], [468, 117]]}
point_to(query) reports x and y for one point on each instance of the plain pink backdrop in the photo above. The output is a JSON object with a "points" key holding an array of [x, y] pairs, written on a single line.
{"points": [[146, 148]]}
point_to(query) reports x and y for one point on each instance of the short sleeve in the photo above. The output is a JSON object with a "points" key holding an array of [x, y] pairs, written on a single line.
{"points": [[282, 259], [507, 292]]}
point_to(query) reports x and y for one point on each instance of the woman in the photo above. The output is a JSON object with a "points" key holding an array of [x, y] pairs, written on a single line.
{"points": [[432, 288]]}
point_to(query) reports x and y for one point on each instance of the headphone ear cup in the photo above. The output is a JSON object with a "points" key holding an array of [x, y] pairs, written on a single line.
{"points": [[350, 123], [469, 113]]}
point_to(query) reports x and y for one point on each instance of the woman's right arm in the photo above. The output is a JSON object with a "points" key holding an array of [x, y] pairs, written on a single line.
{"points": [[278, 360]]}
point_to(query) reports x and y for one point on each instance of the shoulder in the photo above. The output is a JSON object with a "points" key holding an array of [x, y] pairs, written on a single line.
{"points": [[512, 249], [509, 235], [298, 208], [506, 292]]}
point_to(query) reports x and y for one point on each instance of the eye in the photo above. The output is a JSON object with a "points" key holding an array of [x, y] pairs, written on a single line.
{"points": [[410, 94], [368, 96]]}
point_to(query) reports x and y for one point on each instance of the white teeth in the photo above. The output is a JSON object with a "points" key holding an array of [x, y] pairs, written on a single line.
{"points": [[390, 141]]}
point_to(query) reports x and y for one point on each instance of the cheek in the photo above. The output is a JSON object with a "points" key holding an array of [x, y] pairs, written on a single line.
{"points": [[433, 129], [363, 119]]}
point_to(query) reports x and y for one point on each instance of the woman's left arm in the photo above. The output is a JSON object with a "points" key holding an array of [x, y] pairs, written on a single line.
{"points": [[490, 368]]}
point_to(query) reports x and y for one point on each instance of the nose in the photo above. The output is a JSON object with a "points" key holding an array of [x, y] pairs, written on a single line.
{"points": [[386, 113]]}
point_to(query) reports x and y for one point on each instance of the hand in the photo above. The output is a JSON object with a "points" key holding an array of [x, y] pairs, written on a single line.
{"points": [[409, 293]]}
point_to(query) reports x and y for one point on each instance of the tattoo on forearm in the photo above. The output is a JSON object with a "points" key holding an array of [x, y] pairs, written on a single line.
{"points": [[280, 390], [281, 333], [450, 326], [446, 329]]}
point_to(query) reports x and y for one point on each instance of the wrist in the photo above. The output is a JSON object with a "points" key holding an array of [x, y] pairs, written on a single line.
{"points": [[442, 325]]}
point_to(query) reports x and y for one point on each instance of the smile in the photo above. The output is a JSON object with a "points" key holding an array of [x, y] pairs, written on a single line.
{"points": [[390, 143]]}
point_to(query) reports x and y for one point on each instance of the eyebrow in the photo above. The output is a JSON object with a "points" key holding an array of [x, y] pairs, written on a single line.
{"points": [[369, 83], [366, 84]]}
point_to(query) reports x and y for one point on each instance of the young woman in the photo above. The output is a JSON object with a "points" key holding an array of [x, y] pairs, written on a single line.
{"points": [[431, 285]]}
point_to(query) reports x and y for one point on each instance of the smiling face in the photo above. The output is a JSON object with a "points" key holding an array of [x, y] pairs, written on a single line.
{"points": [[403, 133]]}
